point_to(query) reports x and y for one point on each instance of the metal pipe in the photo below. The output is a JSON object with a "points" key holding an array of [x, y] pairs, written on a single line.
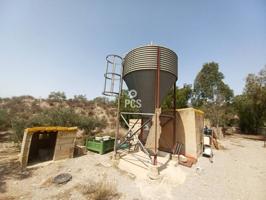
{"points": [[113, 76], [135, 132], [130, 128], [124, 119], [157, 105], [158, 79], [144, 149], [132, 113], [118, 111]]}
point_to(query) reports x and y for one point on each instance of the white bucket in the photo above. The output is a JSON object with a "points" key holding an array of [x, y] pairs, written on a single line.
{"points": [[106, 138], [98, 138]]}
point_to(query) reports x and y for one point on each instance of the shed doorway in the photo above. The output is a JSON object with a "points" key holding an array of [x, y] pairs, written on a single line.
{"points": [[42, 147]]}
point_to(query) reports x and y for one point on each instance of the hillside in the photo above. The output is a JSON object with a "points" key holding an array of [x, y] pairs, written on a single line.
{"points": [[96, 115]]}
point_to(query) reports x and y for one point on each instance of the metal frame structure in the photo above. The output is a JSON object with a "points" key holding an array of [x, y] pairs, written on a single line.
{"points": [[130, 134], [113, 76]]}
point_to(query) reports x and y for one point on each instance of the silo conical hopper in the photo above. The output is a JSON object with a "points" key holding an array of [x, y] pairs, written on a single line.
{"points": [[140, 71]]}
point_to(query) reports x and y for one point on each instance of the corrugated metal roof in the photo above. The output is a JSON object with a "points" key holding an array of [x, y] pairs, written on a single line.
{"points": [[50, 129]]}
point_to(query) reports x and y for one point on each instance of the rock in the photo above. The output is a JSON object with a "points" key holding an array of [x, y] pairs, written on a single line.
{"points": [[62, 178]]}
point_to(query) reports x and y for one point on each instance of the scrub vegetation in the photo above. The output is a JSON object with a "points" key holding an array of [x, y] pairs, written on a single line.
{"points": [[18, 113], [209, 93]]}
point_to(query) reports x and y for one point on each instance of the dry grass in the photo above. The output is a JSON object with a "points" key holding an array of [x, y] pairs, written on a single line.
{"points": [[102, 190]]}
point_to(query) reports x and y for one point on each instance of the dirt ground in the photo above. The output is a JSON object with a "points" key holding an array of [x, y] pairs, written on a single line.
{"points": [[237, 172]]}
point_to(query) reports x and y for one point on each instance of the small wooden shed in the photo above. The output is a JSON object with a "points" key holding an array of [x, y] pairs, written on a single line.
{"points": [[47, 143]]}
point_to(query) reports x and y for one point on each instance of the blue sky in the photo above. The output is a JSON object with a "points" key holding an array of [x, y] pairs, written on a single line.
{"points": [[60, 45]]}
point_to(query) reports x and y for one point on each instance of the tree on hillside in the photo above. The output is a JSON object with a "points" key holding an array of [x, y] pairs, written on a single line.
{"points": [[182, 97], [251, 105], [80, 98], [101, 100], [209, 86], [211, 94], [57, 96]]}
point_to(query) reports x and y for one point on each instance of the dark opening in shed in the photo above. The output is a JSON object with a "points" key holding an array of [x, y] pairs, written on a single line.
{"points": [[42, 147]]}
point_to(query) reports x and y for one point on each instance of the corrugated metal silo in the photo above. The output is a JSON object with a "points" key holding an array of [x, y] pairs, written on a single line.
{"points": [[140, 73]]}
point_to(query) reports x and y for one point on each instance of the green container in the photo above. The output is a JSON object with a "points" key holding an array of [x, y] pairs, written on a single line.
{"points": [[100, 146]]}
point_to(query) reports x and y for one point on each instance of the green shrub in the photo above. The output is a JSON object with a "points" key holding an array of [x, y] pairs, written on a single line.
{"points": [[4, 120], [57, 117], [80, 98], [57, 96], [18, 126]]}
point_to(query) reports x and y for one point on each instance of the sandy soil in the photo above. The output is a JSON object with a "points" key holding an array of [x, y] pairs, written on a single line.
{"points": [[238, 172]]}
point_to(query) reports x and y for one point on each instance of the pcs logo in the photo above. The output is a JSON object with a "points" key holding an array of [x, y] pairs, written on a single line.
{"points": [[132, 102]]}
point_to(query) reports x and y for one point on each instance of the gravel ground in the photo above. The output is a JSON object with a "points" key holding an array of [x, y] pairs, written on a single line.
{"points": [[238, 172]]}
